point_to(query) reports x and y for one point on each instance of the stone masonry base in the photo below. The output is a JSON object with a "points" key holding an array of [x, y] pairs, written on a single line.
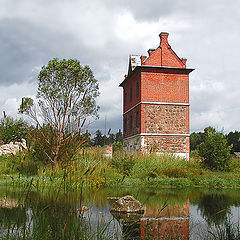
{"points": [[176, 145]]}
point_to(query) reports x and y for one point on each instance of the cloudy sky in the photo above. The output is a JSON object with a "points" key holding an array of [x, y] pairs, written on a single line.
{"points": [[103, 33]]}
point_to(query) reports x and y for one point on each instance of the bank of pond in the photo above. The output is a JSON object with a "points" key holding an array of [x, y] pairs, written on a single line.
{"points": [[91, 168]]}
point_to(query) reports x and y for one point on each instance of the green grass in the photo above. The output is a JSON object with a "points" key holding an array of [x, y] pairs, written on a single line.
{"points": [[89, 168]]}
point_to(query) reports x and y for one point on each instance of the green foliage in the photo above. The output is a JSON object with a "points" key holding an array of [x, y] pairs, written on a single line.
{"points": [[26, 105], [117, 147], [12, 130], [119, 136], [101, 140], [195, 140], [214, 150], [158, 166], [22, 163], [214, 208], [234, 165], [66, 85], [98, 139], [66, 95], [233, 139], [123, 163]]}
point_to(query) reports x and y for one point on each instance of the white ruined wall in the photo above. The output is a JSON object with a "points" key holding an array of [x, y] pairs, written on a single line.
{"points": [[13, 148]]}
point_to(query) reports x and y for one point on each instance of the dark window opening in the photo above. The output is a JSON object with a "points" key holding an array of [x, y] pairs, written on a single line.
{"points": [[130, 94], [125, 125], [137, 89], [137, 118], [131, 122]]}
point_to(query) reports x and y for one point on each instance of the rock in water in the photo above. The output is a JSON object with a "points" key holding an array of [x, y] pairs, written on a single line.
{"points": [[127, 204]]}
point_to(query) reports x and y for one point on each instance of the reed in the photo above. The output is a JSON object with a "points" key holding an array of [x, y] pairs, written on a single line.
{"points": [[89, 168]]}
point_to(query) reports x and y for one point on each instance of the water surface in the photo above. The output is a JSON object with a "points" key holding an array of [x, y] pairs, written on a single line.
{"points": [[169, 213]]}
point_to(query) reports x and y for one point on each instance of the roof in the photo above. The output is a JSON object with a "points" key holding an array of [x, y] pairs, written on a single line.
{"points": [[184, 70]]}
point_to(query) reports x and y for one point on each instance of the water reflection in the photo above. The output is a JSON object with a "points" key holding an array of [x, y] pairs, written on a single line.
{"points": [[170, 221], [215, 208], [48, 215]]}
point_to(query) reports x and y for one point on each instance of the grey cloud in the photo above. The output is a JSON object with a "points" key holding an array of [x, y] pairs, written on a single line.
{"points": [[18, 53], [33, 32]]}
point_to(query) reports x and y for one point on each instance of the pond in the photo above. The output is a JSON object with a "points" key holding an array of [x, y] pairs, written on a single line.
{"points": [[169, 214]]}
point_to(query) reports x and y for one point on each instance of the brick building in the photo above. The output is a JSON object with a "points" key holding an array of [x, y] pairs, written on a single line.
{"points": [[156, 102]]}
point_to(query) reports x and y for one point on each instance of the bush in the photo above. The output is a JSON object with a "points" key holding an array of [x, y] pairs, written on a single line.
{"points": [[123, 163], [214, 150], [117, 146], [12, 130], [22, 163]]}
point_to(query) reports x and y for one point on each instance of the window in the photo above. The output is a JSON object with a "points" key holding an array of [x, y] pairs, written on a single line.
{"points": [[125, 99], [130, 94], [131, 122], [137, 119], [137, 89]]}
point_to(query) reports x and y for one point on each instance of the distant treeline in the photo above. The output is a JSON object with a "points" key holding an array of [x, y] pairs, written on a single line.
{"points": [[233, 140], [103, 139]]}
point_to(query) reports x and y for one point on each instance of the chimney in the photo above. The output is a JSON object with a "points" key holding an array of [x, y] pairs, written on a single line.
{"points": [[150, 51], [184, 60], [163, 38]]}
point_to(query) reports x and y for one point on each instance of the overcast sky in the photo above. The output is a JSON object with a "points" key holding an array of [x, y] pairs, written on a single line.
{"points": [[103, 33]]}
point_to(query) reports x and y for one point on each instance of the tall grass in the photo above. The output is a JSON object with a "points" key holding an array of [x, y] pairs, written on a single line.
{"points": [[227, 231], [90, 168]]}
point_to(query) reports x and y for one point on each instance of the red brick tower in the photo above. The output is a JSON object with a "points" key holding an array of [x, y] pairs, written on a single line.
{"points": [[156, 102]]}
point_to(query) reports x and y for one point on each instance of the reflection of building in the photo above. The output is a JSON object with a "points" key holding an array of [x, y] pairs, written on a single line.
{"points": [[170, 223], [156, 102]]}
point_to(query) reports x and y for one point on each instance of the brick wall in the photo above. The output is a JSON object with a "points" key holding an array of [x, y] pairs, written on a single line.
{"points": [[160, 85], [131, 84], [164, 55], [135, 117]]}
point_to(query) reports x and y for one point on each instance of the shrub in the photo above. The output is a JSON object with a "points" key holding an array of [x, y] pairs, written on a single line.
{"points": [[123, 163], [22, 163], [12, 130], [117, 146], [214, 150]]}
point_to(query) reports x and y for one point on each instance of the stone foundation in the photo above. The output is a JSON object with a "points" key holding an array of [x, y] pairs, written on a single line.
{"points": [[176, 145]]}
